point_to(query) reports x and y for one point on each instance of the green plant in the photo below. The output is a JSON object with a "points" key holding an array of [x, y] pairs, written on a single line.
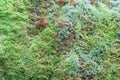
{"points": [[77, 43]]}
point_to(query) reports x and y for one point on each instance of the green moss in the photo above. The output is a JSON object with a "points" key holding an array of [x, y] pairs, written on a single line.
{"points": [[40, 55]]}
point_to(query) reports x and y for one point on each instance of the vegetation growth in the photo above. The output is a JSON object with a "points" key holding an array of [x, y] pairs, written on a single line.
{"points": [[59, 40]]}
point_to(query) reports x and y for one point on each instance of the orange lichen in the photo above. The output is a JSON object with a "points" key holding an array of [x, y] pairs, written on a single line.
{"points": [[61, 2], [42, 21]]}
